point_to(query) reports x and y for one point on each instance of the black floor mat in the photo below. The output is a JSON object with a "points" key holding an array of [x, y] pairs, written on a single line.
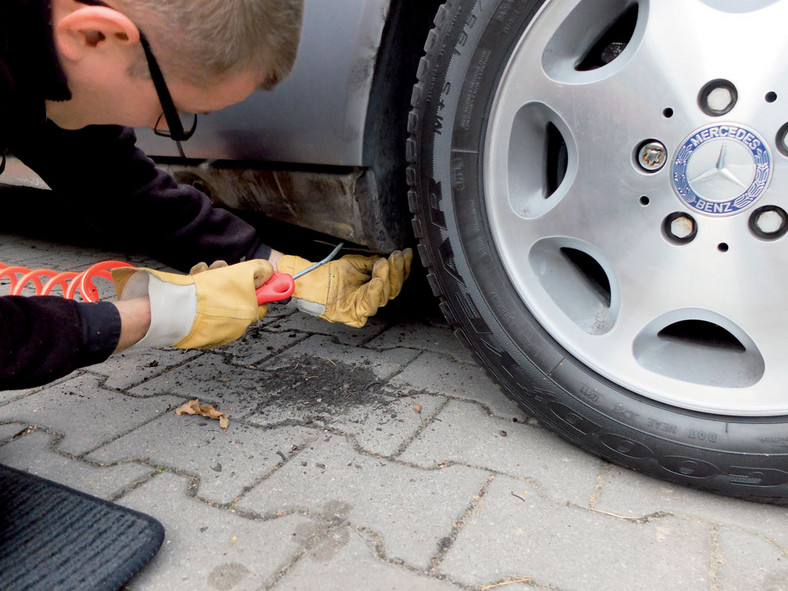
{"points": [[54, 538]]}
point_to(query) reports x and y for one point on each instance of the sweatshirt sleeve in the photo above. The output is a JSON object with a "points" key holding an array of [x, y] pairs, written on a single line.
{"points": [[45, 338], [114, 187]]}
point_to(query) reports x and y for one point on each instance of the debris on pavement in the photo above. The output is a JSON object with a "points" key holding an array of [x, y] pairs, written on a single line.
{"points": [[193, 407]]}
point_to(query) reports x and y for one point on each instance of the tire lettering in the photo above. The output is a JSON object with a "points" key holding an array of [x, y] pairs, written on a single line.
{"points": [[590, 394], [703, 436], [470, 23], [625, 412], [458, 174], [663, 427], [503, 9], [780, 441], [471, 89], [437, 125]]}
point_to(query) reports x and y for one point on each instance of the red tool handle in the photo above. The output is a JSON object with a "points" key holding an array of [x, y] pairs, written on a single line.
{"points": [[279, 287]]}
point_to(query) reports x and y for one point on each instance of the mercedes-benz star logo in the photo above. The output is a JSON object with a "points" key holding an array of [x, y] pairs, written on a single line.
{"points": [[721, 169]]}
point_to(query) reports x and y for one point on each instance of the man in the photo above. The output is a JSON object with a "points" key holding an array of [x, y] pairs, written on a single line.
{"points": [[74, 77]]}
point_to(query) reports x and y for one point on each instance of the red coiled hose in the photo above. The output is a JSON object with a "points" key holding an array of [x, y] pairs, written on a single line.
{"points": [[70, 282]]}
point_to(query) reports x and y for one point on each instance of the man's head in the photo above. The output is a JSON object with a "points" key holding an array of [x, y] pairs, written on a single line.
{"points": [[206, 39], [212, 53]]}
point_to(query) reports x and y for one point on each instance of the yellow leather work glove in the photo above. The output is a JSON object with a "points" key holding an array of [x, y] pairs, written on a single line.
{"points": [[348, 290], [198, 311]]}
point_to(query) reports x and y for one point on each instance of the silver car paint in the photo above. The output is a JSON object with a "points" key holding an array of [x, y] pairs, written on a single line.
{"points": [[317, 116]]}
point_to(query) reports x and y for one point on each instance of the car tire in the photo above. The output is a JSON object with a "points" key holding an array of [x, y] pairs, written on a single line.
{"points": [[519, 289]]}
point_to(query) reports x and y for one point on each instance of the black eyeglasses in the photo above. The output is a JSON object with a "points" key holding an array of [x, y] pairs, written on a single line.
{"points": [[175, 129]]}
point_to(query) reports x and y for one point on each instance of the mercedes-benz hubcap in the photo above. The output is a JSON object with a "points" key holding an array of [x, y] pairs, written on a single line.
{"points": [[722, 169]]}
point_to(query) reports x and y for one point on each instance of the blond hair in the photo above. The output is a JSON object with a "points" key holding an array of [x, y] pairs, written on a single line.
{"points": [[202, 41]]}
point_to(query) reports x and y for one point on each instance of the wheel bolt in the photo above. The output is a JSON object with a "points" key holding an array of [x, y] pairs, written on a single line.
{"points": [[769, 222], [680, 228], [652, 156], [718, 98]]}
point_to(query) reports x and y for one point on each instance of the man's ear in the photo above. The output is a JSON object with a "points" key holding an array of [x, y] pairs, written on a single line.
{"points": [[93, 27]]}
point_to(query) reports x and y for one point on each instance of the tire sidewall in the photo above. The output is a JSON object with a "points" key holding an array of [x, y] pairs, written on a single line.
{"points": [[466, 56]]}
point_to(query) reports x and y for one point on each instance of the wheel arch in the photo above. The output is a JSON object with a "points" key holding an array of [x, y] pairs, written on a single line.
{"points": [[385, 133]]}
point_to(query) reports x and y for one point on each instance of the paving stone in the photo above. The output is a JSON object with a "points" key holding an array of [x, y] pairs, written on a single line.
{"points": [[86, 415], [33, 454], [463, 432], [17, 250], [340, 333], [632, 495], [7, 396], [350, 395], [575, 549], [259, 345], [380, 423], [748, 561], [384, 364], [411, 510], [10, 430], [258, 393], [225, 461], [439, 374], [209, 548], [132, 367], [210, 378], [342, 559], [412, 335]]}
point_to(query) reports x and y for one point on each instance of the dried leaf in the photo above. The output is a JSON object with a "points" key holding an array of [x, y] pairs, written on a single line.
{"points": [[193, 407]]}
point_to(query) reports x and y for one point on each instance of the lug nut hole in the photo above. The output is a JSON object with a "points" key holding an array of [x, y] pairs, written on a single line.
{"points": [[667, 113], [644, 201], [782, 140], [769, 222], [723, 247], [771, 97], [718, 97], [680, 228]]}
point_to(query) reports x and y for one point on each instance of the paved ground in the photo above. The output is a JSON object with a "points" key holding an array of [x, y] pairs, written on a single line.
{"points": [[376, 459]]}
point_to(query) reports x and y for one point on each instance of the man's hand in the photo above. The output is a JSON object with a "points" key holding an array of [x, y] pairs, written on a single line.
{"points": [[200, 310], [351, 289]]}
